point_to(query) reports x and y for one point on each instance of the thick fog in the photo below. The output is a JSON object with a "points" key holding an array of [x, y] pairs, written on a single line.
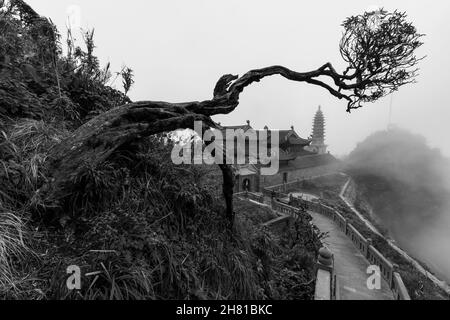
{"points": [[410, 192]]}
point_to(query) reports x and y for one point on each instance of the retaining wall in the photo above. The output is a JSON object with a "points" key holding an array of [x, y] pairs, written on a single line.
{"points": [[279, 224], [250, 196]]}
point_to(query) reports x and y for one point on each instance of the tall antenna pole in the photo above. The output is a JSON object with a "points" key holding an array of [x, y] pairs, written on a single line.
{"points": [[390, 111]]}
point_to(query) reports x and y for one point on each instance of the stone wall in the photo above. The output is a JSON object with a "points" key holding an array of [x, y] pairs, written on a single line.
{"points": [[300, 174], [280, 224], [259, 182]]}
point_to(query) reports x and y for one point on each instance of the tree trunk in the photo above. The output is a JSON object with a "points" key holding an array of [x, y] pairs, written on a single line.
{"points": [[228, 190]]}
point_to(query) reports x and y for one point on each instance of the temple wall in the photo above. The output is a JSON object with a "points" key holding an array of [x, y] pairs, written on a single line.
{"points": [[271, 180], [267, 181]]}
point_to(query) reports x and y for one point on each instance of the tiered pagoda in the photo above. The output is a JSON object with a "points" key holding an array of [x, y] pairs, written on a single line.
{"points": [[318, 135]]}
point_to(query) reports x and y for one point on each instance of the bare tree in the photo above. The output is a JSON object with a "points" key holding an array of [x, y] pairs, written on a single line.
{"points": [[379, 48]]}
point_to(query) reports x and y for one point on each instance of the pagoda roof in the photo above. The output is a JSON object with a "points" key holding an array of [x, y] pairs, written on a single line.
{"points": [[284, 134], [298, 141], [244, 127], [290, 137], [286, 137], [246, 170]]}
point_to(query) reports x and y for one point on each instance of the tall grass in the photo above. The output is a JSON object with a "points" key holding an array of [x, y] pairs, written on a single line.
{"points": [[24, 148], [12, 249]]}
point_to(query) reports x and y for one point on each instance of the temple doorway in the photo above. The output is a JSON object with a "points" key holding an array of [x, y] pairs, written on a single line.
{"points": [[246, 185]]}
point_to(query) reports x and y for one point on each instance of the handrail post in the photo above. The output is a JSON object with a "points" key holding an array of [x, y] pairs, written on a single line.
{"points": [[325, 259], [394, 269], [325, 284], [369, 243]]}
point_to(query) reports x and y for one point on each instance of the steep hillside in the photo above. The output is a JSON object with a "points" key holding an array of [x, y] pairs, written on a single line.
{"points": [[138, 226]]}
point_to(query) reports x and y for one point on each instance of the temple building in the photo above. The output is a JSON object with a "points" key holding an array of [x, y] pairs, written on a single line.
{"points": [[299, 158]]}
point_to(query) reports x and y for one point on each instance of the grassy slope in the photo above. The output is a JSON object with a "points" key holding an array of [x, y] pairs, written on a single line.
{"points": [[165, 239]]}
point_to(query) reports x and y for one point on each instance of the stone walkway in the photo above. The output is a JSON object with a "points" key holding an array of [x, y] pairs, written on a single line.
{"points": [[350, 264]]}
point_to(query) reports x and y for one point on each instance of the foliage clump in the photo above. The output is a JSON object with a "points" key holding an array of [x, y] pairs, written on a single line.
{"points": [[38, 81]]}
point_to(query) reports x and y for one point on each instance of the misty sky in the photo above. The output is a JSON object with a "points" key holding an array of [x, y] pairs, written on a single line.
{"points": [[179, 49]]}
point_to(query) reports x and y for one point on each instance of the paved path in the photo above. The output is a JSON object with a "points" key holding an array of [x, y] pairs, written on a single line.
{"points": [[350, 264]]}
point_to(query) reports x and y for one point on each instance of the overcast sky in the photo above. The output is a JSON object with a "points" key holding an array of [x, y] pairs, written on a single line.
{"points": [[178, 49]]}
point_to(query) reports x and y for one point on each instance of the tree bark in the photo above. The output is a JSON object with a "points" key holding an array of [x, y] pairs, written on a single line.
{"points": [[228, 190]]}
